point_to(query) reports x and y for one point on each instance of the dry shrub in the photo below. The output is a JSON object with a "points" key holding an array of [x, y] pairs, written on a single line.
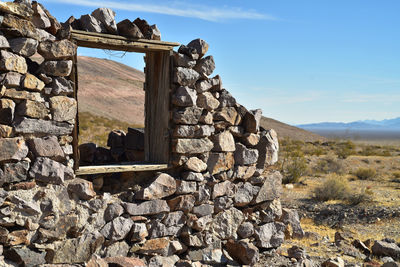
{"points": [[335, 187], [293, 164], [365, 173], [329, 164], [396, 174]]}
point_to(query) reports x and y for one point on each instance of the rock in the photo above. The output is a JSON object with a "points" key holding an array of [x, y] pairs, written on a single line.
{"points": [[117, 229], [112, 211], [268, 148], [3, 42], [219, 162], [184, 187], [205, 66], [185, 76], [182, 60], [12, 62], [245, 194], [202, 195], [252, 120], [139, 232], [12, 149], [192, 146], [192, 176], [82, 188], [45, 36], [107, 17], [25, 256], [361, 246], [250, 139], [188, 51], [34, 126], [244, 155], [128, 29], [49, 171], [144, 27], [135, 139], [271, 211], [203, 86], [222, 189], [207, 101], [203, 210], [224, 142], [32, 83], [7, 108], [200, 46], [382, 248], [243, 252], [244, 172], [270, 235], [39, 18], [16, 9], [195, 164], [246, 230], [159, 261], [189, 115], [96, 261], [91, 24], [227, 114], [5, 131], [23, 95], [158, 229], [226, 223], [14, 172], [53, 50], [124, 261], [147, 208], [291, 217], [226, 99], [335, 262], [87, 152], [156, 246], [297, 252], [184, 97], [390, 264], [57, 68], [63, 108], [271, 189], [12, 79], [164, 185], [184, 203], [116, 139], [19, 27], [46, 147], [24, 46], [61, 86], [155, 32]]}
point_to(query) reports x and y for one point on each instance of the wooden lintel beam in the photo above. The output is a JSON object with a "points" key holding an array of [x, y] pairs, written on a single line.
{"points": [[85, 170]]}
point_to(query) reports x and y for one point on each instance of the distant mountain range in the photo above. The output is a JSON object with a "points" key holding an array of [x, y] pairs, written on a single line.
{"points": [[383, 125]]}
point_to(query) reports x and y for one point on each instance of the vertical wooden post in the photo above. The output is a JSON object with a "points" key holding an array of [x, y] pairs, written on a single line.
{"points": [[75, 133], [157, 104]]}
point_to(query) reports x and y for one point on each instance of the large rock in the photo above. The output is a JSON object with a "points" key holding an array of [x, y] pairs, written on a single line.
{"points": [[19, 27], [61, 86], [199, 45], [33, 109], [146, 208], [128, 29], [186, 76], [139, 232], [270, 235], [34, 126], [46, 147], [219, 162], [196, 131], [205, 66], [40, 18], [271, 189], [3, 41], [224, 142], [117, 229], [24, 46], [82, 188], [135, 139], [14, 172], [91, 24], [12, 62], [246, 230], [227, 114], [268, 148], [23, 95], [164, 185], [107, 17], [184, 187], [144, 27], [226, 99], [195, 164], [252, 120], [382, 248], [12, 149], [184, 203], [189, 115], [24, 256], [245, 194], [226, 223], [291, 217], [57, 68], [32, 83], [158, 229], [244, 172], [49, 171], [12, 79], [112, 211], [244, 155], [7, 108], [16, 9], [243, 252], [63, 49], [207, 101], [225, 188], [192, 146], [156, 246], [182, 60], [63, 108], [184, 97]]}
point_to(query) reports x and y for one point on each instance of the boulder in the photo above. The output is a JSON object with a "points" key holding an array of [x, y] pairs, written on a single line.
{"points": [[199, 45], [23, 95], [227, 114], [188, 51], [182, 60], [192, 176], [184, 97], [225, 188], [24, 46], [243, 252], [205, 66], [112, 211], [192, 146], [12, 62], [16, 9], [117, 229], [91, 24], [268, 148], [40, 18], [24, 256], [245, 194], [7, 108], [185, 76], [271, 189], [155, 246], [226, 99], [107, 18], [223, 142], [291, 217], [57, 68], [184, 187], [53, 50], [144, 27], [244, 155], [203, 86], [82, 188], [164, 185], [146, 208], [49, 171], [128, 29], [16, 26], [158, 229], [12, 149], [46, 147], [63, 108], [382, 248]]}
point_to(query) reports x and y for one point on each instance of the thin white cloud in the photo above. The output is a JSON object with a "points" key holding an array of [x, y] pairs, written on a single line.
{"points": [[176, 9]]}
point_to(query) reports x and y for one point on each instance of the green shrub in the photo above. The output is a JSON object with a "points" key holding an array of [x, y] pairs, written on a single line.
{"points": [[365, 173], [335, 187], [366, 195], [345, 149], [293, 164]]}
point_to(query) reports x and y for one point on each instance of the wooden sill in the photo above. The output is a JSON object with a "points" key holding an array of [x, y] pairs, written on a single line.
{"points": [[122, 167]]}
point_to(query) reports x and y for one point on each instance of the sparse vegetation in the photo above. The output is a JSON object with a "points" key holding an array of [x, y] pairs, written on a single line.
{"points": [[329, 164], [365, 173], [335, 187], [293, 164]]}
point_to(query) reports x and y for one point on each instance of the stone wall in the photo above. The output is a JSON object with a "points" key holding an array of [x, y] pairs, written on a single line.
{"points": [[218, 204]]}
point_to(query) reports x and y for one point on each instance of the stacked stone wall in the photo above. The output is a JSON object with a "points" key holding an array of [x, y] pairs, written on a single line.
{"points": [[218, 204]]}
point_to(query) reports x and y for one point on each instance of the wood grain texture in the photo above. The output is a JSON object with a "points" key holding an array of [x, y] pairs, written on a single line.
{"points": [[85, 170], [75, 133]]}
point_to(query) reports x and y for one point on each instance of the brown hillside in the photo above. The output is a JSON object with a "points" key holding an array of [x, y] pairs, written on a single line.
{"points": [[115, 91]]}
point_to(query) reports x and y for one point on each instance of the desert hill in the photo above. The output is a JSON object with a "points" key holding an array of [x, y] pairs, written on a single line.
{"points": [[115, 91]]}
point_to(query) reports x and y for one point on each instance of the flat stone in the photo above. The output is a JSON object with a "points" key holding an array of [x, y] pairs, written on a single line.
{"points": [[219, 162], [199, 45], [193, 176], [184, 203], [25, 256], [244, 155], [270, 235], [14, 172], [195, 164], [243, 252], [12, 149], [16, 9], [53, 50], [32, 83], [224, 142], [24, 46], [124, 261], [82, 188], [185, 76], [7, 108], [32, 109], [34, 126], [207, 101], [226, 223], [196, 131], [23, 95], [271, 189], [12, 62], [107, 17], [63, 108], [184, 97], [12, 79], [128, 29], [117, 229], [164, 185], [19, 27], [50, 171], [45, 36], [158, 229], [57, 68], [203, 210], [205, 66], [46, 147], [91, 24], [192, 146], [146, 208], [188, 115], [156, 246], [61, 86]]}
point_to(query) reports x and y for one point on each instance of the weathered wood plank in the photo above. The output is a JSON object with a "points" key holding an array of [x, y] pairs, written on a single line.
{"points": [[119, 43], [75, 133], [157, 106], [85, 170]]}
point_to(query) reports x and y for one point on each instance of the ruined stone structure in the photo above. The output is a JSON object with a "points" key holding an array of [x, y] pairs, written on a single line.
{"points": [[204, 194]]}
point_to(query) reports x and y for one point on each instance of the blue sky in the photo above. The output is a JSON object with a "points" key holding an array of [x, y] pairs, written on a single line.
{"points": [[300, 61]]}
